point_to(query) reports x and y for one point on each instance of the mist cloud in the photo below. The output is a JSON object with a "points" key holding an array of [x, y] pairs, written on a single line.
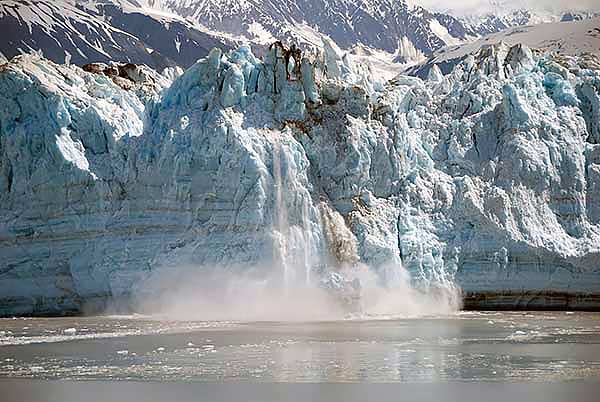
{"points": [[217, 294]]}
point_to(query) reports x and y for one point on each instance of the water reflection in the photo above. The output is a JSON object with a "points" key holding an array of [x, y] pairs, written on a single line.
{"points": [[467, 347]]}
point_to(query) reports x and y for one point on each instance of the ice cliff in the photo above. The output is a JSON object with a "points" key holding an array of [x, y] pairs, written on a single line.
{"points": [[488, 177]]}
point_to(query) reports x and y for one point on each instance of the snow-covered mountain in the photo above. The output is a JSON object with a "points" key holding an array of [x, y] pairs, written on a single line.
{"points": [[577, 38], [399, 27], [389, 25], [305, 167], [500, 21], [101, 31], [160, 33], [163, 33]]}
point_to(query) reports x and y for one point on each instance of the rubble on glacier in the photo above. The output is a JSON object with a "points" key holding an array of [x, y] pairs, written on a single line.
{"points": [[487, 177]]}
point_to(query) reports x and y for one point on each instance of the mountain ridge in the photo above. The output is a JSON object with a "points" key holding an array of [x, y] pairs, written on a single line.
{"points": [[165, 33]]}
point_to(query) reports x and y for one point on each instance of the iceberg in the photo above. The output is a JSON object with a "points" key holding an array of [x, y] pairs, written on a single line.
{"points": [[486, 178]]}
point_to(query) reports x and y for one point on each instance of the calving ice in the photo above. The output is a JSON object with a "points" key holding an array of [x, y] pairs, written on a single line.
{"points": [[302, 171]]}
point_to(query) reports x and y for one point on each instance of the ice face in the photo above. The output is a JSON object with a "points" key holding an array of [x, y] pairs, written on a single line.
{"points": [[486, 177]]}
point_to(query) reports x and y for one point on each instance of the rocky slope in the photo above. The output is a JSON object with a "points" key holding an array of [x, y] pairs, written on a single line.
{"points": [[401, 28], [487, 178], [82, 31], [394, 26], [162, 33]]}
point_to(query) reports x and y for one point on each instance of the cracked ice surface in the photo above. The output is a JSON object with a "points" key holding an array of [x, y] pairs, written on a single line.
{"points": [[488, 177]]}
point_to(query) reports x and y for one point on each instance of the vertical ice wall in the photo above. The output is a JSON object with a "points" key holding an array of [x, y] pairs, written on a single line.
{"points": [[299, 165]]}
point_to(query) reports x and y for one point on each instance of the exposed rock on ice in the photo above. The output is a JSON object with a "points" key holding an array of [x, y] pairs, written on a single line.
{"points": [[487, 177]]}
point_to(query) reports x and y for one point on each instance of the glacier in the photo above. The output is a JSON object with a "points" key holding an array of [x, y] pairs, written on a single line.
{"points": [[486, 178]]}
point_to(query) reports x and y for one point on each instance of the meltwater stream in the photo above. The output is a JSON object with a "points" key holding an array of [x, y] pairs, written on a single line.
{"points": [[472, 347]]}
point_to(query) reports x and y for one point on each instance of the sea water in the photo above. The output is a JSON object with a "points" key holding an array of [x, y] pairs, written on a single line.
{"points": [[468, 346]]}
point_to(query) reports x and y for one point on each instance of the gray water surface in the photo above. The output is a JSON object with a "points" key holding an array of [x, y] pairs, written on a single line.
{"points": [[468, 347]]}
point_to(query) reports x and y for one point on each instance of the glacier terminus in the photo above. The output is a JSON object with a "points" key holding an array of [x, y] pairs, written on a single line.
{"points": [[484, 179]]}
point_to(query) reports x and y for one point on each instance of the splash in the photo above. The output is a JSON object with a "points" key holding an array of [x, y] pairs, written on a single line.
{"points": [[338, 287]]}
